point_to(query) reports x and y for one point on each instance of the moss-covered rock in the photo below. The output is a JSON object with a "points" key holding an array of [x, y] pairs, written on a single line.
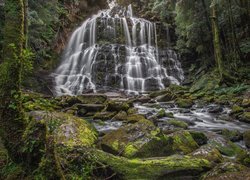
{"points": [[227, 170], [208, 152], [245, 103], [68, 101], [133, 118], [121, 116], [246, 137], [177, 123], [184, 103], [68, 130], [117, 106], [245, 117], [183, 142], [161, 113], [236, 109], [199, 137], [104, 115], [232, 135], [141, 139]]}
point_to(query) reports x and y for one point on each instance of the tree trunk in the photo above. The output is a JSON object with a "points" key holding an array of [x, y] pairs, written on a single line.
{"points": [[11, 114], [216, 39]]}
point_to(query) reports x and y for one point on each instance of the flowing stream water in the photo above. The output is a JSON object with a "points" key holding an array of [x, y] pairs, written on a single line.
{"points": [[116, 49]]}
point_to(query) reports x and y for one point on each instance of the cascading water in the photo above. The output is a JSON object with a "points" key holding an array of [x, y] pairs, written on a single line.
{"points": [[116, 50]]}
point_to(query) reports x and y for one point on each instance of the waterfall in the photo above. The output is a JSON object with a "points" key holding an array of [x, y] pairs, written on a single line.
{"points": [[116, 50]]}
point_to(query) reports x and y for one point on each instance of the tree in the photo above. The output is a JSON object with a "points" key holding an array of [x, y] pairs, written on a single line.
{"points": [[11, 112]]}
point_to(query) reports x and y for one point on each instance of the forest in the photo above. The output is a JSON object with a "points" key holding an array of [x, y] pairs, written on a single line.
{"points": [[125, 89]]}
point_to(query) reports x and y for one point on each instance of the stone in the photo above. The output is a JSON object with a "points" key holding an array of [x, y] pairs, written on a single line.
{"points": [[236, 109], [228, 170], [161, 113], [121, 116], [68, 130], [245, 103], [232, 135], [177, 123], [208, 152], [215, 109], [104, 115], [245, 117], [117, 106], [184, 103], [199, 137], [246, 138]]}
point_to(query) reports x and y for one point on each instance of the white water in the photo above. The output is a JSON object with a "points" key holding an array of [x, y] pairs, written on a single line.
{"points": [[142, 66]]}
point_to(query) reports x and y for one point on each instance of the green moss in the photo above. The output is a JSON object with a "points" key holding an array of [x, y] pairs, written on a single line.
{"points": [[104, 115], [184, 103], [236, 109], [199, 137], [153, 168], [121, 116], [246, 138], [245, 117], [183, 142], [177, 123], [135, 118], [233, 135], [208, 152], [117, 106], [161, 113]]}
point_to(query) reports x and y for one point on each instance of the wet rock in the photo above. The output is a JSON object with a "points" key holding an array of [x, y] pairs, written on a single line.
{"points": [[183, 142], [199, 137], [245, 117], [208, 152], [68, 101], [161, 113], [143, 99], [215, 109], [133, 118], [236, 109], [121, 116], [232, 135], [117, 106], [104, 115], [185, 111], [166, 97], [177, 123], [90, 107], [68, 130], [246, 137], [245, 103], [141, 139], [228, 170], [184, 103]]}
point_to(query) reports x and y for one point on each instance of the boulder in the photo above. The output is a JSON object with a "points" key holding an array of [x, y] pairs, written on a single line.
{"points": [[161, 113], [184, 103], [246, 138], [245, 117], [199, 137], [215, 109], [232, 135], [183, 142], [68, 130], [68, 101], [245, 103], [121, 116], [141, 139], [228, 170], [104, 115], [236, 109], [208, 152], [177, 123], [117, 106]]}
